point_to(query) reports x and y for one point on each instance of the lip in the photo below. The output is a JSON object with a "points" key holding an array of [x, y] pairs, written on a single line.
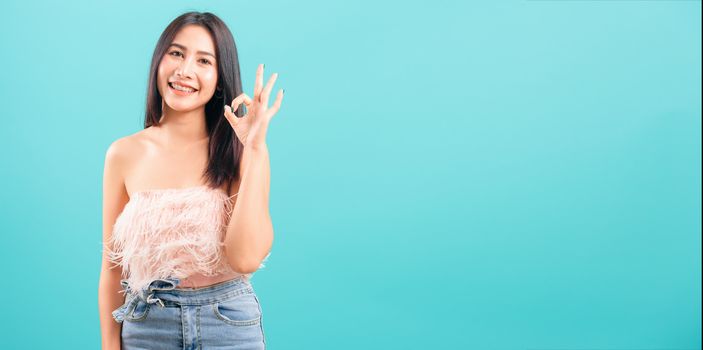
{"points": [[182, 84], [179, 92]]}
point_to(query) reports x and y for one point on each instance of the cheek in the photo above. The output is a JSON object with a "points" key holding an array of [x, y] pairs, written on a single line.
{"points": [[167, 66], [209, 77], [163, 71]]}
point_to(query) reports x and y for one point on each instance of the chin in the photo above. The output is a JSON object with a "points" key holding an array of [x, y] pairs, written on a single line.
{"points": [[181, 107]]}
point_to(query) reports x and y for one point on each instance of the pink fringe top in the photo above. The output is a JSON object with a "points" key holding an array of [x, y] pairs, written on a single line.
{"points": [[173, 233]]}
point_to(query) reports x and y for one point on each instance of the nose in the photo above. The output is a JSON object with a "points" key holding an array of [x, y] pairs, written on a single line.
{"points": [[184, 68]]}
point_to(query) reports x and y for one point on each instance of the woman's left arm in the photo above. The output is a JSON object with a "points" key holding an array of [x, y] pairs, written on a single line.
{"points": [[250, 231]]}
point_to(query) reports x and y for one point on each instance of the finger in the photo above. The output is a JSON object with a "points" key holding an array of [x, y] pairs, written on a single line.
{"points": [[228, 114], [238, 101], [242, 97], [231, 117], [276, 103], [267, 90], [259, 82]]}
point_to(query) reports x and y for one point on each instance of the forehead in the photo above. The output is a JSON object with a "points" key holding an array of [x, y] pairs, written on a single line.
{"points": [[195, 38]]}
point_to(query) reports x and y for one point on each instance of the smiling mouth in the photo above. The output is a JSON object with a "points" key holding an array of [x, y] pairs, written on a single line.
{"points": [[181, 90]]}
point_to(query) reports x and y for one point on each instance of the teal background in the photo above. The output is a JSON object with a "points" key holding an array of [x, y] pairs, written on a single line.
{"points": [[445, 175]]}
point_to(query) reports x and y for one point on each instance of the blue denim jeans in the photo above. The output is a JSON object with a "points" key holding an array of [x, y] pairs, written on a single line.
{"points": [[225, 315]]}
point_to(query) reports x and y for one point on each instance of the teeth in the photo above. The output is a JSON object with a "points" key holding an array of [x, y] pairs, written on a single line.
{"points": [[180, 88]]}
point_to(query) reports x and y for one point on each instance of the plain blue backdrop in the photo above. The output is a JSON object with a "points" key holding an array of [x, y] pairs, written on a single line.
{"points": [[445, 175]]}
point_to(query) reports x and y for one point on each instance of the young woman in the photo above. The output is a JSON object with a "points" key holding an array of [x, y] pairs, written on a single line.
{"points": [[185, 201]]}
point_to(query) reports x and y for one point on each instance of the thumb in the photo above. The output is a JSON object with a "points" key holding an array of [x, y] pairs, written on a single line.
{"points": [[231, 117]]}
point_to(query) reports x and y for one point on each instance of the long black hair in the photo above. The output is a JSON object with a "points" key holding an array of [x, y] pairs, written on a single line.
{"points": [[224, 150]]}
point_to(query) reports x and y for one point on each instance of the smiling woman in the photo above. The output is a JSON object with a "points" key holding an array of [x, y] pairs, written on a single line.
{"points": [[178, 254], [179, 67]]}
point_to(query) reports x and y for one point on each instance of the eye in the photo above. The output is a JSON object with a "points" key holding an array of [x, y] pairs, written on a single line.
{"points": [[172, 52], [206, 61]]}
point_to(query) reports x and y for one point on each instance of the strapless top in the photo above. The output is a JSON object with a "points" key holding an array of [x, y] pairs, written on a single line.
{"points": [[178, 232]]}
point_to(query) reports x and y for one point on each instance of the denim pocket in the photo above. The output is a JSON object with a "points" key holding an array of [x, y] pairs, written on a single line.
{"points": [[242, 310]]}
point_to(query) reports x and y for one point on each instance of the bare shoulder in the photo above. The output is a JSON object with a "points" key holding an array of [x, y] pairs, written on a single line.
{"points": [[116, 154], [126, 147], [121, 154], [115, 196]]}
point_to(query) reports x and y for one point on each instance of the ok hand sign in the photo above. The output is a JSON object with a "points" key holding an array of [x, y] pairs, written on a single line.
{"points": [[251, 128]]}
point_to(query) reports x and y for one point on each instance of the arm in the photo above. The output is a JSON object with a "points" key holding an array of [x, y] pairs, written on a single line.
{"points": [[250, 231], [114, 199]]}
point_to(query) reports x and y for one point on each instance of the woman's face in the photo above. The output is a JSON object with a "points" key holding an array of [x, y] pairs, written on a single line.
{"points": [[190, 60]]}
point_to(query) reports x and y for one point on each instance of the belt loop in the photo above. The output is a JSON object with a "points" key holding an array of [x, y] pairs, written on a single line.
{"points": [[150, 299]]}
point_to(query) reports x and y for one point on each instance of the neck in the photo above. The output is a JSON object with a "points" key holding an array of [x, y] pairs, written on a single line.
{"points": [[183, 127]]}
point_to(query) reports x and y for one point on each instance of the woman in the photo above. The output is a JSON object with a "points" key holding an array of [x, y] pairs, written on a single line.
{"points": [[185, 201]]}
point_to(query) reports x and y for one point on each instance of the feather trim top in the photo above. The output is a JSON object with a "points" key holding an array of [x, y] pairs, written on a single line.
{"points": [[166, 233]]}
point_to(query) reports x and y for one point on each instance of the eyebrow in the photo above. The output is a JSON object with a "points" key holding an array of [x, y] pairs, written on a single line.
{"points": [[186, 49]]}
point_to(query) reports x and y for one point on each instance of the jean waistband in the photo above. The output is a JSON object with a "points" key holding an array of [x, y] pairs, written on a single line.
{"points": [[166, 291]]}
